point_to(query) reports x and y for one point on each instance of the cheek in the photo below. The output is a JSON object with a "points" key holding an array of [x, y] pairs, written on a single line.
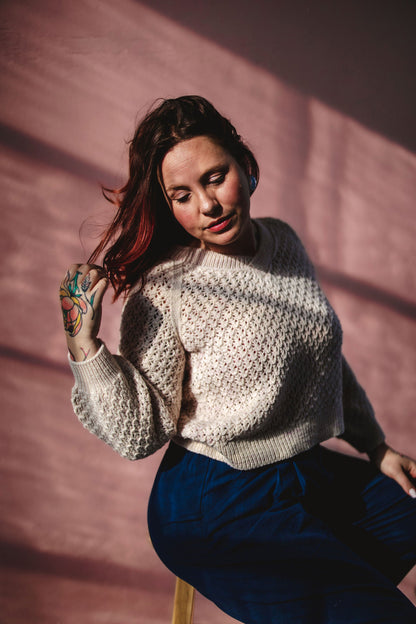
{"points": [[186, 219], [234, 192]]}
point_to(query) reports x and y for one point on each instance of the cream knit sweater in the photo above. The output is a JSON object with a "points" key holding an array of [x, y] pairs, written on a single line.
{"points": [[235, 358]]}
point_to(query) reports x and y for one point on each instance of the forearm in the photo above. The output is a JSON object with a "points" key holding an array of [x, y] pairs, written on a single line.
{"points": [[131, 401], [362, 430], [114, 401]]}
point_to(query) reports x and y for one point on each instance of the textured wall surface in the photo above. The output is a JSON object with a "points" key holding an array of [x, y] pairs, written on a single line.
{"points": [[325, 94]]}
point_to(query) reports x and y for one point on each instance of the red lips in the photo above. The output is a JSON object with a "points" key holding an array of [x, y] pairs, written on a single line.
{"points": [[220, 224]]}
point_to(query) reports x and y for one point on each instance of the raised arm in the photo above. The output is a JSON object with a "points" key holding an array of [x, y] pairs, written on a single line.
{"points": [[132, 400]]}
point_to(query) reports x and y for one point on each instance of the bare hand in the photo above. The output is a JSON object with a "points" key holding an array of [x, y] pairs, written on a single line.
{"points": [[396, 466], [81, 294]]}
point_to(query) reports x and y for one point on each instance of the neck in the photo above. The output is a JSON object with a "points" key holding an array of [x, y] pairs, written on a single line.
{"points": [[245, 245]]}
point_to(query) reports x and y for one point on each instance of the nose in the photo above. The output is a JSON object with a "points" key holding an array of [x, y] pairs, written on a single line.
{"points": [[209, 205]]}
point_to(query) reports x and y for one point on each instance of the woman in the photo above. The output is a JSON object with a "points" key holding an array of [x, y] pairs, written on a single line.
{"points": [[230, 351]]}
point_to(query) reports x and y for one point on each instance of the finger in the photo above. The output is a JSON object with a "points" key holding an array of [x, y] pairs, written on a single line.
{"points": [[408, 465], [74, 275], [97, 267], [411, 468], [69, 274], [404, 482], [407, 486], [98, 291], [91, 279]]}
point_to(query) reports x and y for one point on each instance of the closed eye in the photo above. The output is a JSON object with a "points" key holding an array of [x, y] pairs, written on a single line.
{"points": [[182, 199], [216, 175], [217, 179]]}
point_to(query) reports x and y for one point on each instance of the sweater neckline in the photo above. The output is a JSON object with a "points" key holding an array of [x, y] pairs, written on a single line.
{"points": [[204, 257]]}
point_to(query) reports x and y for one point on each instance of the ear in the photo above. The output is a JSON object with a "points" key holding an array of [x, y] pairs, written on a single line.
{"points": [[252, 184]]}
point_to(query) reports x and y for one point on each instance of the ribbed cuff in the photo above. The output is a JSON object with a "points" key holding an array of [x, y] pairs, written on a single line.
{"points": [[97, 373]]}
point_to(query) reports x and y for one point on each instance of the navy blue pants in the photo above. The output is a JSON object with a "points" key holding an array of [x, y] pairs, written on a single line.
{"points": [[321, 538]]}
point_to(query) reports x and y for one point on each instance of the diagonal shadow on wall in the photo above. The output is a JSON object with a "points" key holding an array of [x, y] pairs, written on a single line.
{"points": [[357, 57]]}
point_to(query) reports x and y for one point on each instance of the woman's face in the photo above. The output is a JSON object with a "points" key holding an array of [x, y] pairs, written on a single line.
{"points": [[209, 195]]}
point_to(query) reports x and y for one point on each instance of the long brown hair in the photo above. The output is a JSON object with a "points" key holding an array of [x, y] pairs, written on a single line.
{"points": [[144, 230]]}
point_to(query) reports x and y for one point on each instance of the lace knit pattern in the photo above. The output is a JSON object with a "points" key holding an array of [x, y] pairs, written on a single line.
{"points": [[236, 358]]}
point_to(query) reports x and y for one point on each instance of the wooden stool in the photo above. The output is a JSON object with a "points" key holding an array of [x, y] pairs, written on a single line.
{"points": [[183, 603]]}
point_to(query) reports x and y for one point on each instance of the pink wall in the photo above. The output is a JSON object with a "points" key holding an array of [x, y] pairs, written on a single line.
{"points": [[326, 98]]}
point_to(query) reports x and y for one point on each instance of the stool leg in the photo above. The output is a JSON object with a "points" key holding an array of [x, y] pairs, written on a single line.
{"points": [[183, 604]]}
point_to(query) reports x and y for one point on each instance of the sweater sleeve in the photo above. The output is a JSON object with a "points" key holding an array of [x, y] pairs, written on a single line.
{"points": [[132, 401], [362, 430]]}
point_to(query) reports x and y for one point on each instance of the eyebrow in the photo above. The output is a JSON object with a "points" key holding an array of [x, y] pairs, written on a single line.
{"points": [[223, 167]]}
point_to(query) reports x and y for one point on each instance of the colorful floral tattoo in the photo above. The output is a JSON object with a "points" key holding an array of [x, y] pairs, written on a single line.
{"points": [[75, 302]]}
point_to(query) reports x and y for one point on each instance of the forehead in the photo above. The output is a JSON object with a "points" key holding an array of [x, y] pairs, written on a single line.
{"points": [[192, 157]]}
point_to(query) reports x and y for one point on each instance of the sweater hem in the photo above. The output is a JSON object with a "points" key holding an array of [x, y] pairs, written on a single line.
{"points": [[254, 453]]}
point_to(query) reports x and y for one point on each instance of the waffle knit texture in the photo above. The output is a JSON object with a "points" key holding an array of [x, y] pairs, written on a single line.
{"points": [[233, 357]]}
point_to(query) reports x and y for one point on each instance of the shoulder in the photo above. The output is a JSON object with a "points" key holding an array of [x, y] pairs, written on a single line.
{"points": [[284, 236], [156, 279], [278, 228], [151, 294], [288, 247]]}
